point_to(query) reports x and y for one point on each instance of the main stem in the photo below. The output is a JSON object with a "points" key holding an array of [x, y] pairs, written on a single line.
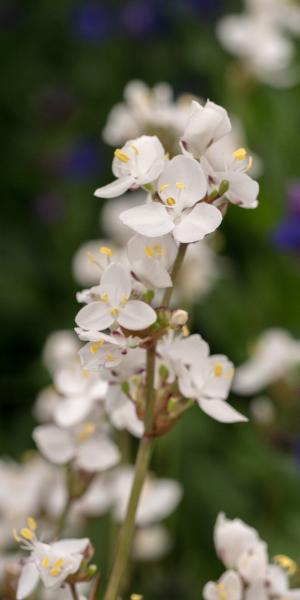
{"points": [[174, 273], [73, 591], [141, 467]]}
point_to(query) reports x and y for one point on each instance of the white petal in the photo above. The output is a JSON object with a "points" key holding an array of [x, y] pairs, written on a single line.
{"points": [[116, 188], [202, 219], [221, 411], [95, 316], [243, 190], [71, 411], [151, 219], [206, 124], [117, 279], [28, 581], [54, 443], [136, 315], [187, 171], [97, 454], [71, 546]]}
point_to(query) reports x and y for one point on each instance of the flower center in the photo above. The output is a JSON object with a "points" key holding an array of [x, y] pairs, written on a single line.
{"points": [[171, 201], [114, 312], [104, 297], [95, 346], [218, 370], [87, 431], [155, 251], [122, 156], [106, 251], [240, 154]]}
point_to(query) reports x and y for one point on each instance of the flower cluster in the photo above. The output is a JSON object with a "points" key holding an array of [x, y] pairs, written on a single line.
{"points": [[259, 38], [250, 575]]}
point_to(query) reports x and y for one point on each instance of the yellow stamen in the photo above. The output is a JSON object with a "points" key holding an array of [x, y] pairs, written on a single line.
{"points": [[218, 370], [185, 331], [27, 534], [158, 250], [222, 592], [59, 563], [87, 431], [164, 187], [54, 572], [240, 154], [122, 156], [180, 185], [250, 163], [149, 251], [171, 201], [104, 297], [167, 156], [114, 312], [286, 563], [106, 250], [31, 522], [109, 358], [95, 346], [45, 562], [124, 298], [15, 536]]}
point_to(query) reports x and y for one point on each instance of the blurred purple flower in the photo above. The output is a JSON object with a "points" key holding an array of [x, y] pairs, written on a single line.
{"points": [[49, 207], [91, 22], [141, 17], [80, 161], [286, 236]]}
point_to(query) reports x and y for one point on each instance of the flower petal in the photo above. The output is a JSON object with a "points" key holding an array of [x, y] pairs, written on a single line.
{"points": [[184, 180], [71, 546], [116, 188], [203, 219], [136, 315], [71, 411], [151, 219], [54, 443], [28, 581], [221, 411], [95, 316], [97, 454]]}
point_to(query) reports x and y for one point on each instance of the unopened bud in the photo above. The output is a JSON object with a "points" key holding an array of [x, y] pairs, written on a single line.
{"points": [[92, 570], [179, 318], [172, 404], [125, 387], [163, 372], [224, 187]]}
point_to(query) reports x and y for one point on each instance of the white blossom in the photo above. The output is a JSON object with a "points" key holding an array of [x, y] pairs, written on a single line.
{"points": [[114, 305], [137, 163], [206, 125], [152, 258], [229, 587]]}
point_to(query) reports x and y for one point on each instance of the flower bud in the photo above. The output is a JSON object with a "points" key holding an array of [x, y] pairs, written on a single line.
{"points": [[179, 318]]}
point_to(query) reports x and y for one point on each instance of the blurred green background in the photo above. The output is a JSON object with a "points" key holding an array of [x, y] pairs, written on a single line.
{"points": [[63, 66]]}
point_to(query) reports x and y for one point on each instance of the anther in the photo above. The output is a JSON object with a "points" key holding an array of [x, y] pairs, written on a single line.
{"points": [[122, 156]]}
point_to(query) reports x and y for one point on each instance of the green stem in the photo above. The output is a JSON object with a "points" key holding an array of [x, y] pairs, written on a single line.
{"points": [[174, 273], [141, 467], [73, 591]]}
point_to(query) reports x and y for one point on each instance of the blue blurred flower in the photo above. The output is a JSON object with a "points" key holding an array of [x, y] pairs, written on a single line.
{"points": [[286, 236], [141, 17], [81, 161], [91, 22]]}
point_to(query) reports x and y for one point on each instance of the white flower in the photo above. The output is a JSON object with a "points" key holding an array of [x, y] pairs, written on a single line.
{"points": [[110, 215], [219, 167], [151, 259], [232, 537], [229, 587], [50, 563], [98, 498], [114, 305], [206, 379], [151, 543], [122, 413], [259, 38], [91, 259], [89, 448], [206, 124], [252, 563], [81, 392], [46, 402], [180, 188], [158, 499], [132, 364], [275, 355], [137, 163], [60, 349]]}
